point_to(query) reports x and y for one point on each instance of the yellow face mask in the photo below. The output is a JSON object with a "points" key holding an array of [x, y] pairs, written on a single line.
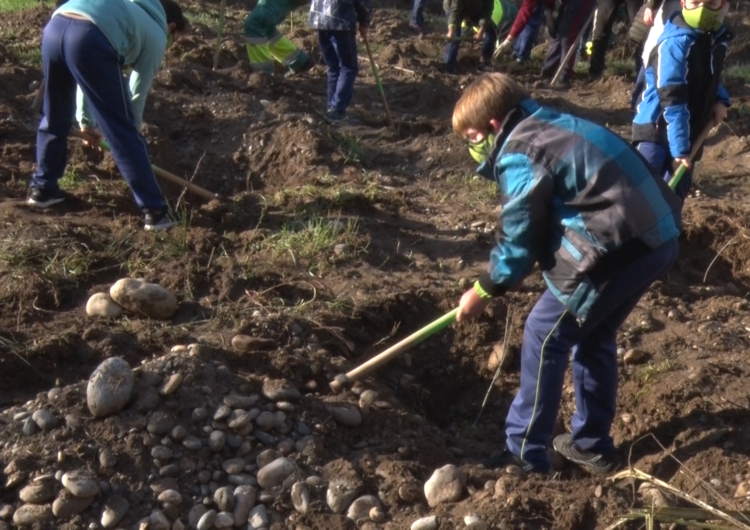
{"points": [[480, 149], [704, 18]]}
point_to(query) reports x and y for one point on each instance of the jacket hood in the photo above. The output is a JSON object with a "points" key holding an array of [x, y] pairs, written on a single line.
{"points": [[676, 27], [523, 110], [155, 11]]}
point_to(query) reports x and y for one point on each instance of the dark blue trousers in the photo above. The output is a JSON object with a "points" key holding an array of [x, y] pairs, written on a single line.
{"points": [[527, 38], [417, 13], [489, 37], [77, 52], [340, 55], [569, 22], [659, 158], [549, 336]]}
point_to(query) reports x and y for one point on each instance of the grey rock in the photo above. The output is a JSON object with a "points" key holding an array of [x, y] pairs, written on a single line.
{"points": [[6, 511], [242, 479], [222, 412], [425, 523], [109, 387], [264, 420], [44, 419], [266, 457], [147, 399], [285, 406], [160, 423], [258, 517], [115, 509], [239, 418], [195, 514], [216, 441], [233, 465], [158, 521], [445, 485], [162, 452], [301, 497], [224, 498], [172, 383], [280, 390], [67, 505], [170, 496], [38, 492], [170, 470], [265, 438], [340, 494], [245, 343], [29, 427], [345, 414], [285, 447], [54, 393], [224, 520], [362, 506], [199, 414], [178, 433], [244, 500], [192, 443], [207, 520], [240, 402], [142, 298], [80, 484], [158, 486], [273, 474], [30, 514], [107, 458]]}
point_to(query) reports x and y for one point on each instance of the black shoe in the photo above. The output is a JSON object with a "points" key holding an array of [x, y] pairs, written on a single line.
{"points": [[598, 463], [158, 221], [417, 28], [301, 69], [484, 67], [44, 199], [508, 459]]}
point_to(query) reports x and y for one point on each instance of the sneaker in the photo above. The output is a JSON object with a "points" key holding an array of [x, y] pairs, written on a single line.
{"points": [[417, 28], [336, 116], [507, 459], [158, 221], [598, 463], [41, 199], [301, 69]]}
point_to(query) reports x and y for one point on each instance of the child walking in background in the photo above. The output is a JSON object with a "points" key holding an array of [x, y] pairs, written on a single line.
{"points": [[683, 92], [571, 18], [579, 201], [475, 13], [336, 22], [525, 28], [264, 42]]}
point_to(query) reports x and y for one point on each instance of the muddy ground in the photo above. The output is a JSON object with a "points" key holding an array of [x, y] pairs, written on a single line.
{"points": [[350, 238]]}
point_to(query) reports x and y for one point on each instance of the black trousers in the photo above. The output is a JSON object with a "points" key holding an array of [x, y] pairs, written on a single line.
{"points": [[603, 21]]}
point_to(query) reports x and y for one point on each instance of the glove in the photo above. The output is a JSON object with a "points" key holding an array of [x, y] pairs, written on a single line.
{"points": [[503, 48]]}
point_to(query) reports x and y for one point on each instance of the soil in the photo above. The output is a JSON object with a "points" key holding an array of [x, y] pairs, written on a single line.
{"points": [[351, 238]]}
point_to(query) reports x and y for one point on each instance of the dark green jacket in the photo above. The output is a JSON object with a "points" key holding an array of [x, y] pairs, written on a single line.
{"points": [[478, 12]]}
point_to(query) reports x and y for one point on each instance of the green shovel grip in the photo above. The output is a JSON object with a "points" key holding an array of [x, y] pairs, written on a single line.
{"points": [[677, 177], [432, 328]]}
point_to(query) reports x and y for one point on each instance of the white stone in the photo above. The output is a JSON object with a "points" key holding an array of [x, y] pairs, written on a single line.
{"points": [[445, 485], [224, 498], [224, 520], [67, 504], [38, 492], [425, 523], [109, 388], [80, 484], [340, 494], [273, 474], [114, 510], [143, 298], [28, 514], [44, 419], [172, 383], [102, 305], [244, 500], [258, 517], [361, 507], [207, 520], [301, 497], [171, 497]]}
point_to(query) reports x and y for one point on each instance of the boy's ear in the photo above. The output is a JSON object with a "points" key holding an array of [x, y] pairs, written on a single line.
{"points": [[495, 124]]}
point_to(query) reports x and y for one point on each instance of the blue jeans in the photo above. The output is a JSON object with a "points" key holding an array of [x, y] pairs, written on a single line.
{"points": [[527, 38], [550, 334], [417, 13], [77, 52], [340, 55], [658, 157], [451, 49]]}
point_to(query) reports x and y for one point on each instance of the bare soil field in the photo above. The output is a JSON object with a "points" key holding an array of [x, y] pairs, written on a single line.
{"points": [[328, 245]]}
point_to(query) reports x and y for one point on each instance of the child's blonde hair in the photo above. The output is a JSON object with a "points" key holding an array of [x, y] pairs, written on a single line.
{"points": [[490, 96]]}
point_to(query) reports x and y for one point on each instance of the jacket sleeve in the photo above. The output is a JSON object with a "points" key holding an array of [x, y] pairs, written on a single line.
{"points": [[485, 21], [144, 72], [723, 96], [454, 13], [364, 13], [524, 222], [523, 17], [671, 84], [653, 4]]}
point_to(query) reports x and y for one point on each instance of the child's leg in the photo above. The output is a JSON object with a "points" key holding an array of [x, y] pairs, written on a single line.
{"points": [[595, 358], [345, 43], [451, 51], [603, 22], [59, 108], [285, 52], [259, 28], [549, 334], [526, 39], [574, 17], [331, 59], [417, 14], [489, 38]]}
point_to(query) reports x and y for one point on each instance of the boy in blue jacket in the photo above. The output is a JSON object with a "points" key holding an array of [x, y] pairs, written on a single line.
{"points": [[87, 43], [583, 204], [683, 91], [336, 22]]}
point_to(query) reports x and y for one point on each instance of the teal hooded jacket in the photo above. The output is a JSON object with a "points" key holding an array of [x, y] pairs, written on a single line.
{"points": [[137, 30]]}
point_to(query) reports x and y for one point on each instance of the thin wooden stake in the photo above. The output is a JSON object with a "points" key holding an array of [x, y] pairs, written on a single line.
{"points": [[222, 9]]}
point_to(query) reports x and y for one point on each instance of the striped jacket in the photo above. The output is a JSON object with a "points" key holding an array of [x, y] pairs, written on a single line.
{"points": [[682, 83], [577, 199], [339, 14]]}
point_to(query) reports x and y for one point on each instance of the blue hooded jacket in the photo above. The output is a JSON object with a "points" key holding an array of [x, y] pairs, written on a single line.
{"points": [[137, 30], [577, 199], [682, 84]]}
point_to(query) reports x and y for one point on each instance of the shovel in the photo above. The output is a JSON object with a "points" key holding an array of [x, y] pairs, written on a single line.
{"points": [[343, 380], [677, 177]]}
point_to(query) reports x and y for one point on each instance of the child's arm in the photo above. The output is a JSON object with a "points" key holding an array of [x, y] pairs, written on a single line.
{"points": [[485, 20], [524, 223], [671, 85], [454, 16]]}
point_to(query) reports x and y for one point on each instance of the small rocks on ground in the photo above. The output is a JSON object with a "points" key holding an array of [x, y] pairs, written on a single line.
{"points": [[143, 298], [110, 387], [102, 305], [425, 523], [445, 485]]}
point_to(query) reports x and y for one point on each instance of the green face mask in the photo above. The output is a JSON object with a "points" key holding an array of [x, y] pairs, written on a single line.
{"points": [[704, 18], [479, 150]]}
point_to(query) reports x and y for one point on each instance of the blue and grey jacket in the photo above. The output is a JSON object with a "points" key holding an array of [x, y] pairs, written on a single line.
{"points": [[577, 199], [339, 14], [682, 84]]}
